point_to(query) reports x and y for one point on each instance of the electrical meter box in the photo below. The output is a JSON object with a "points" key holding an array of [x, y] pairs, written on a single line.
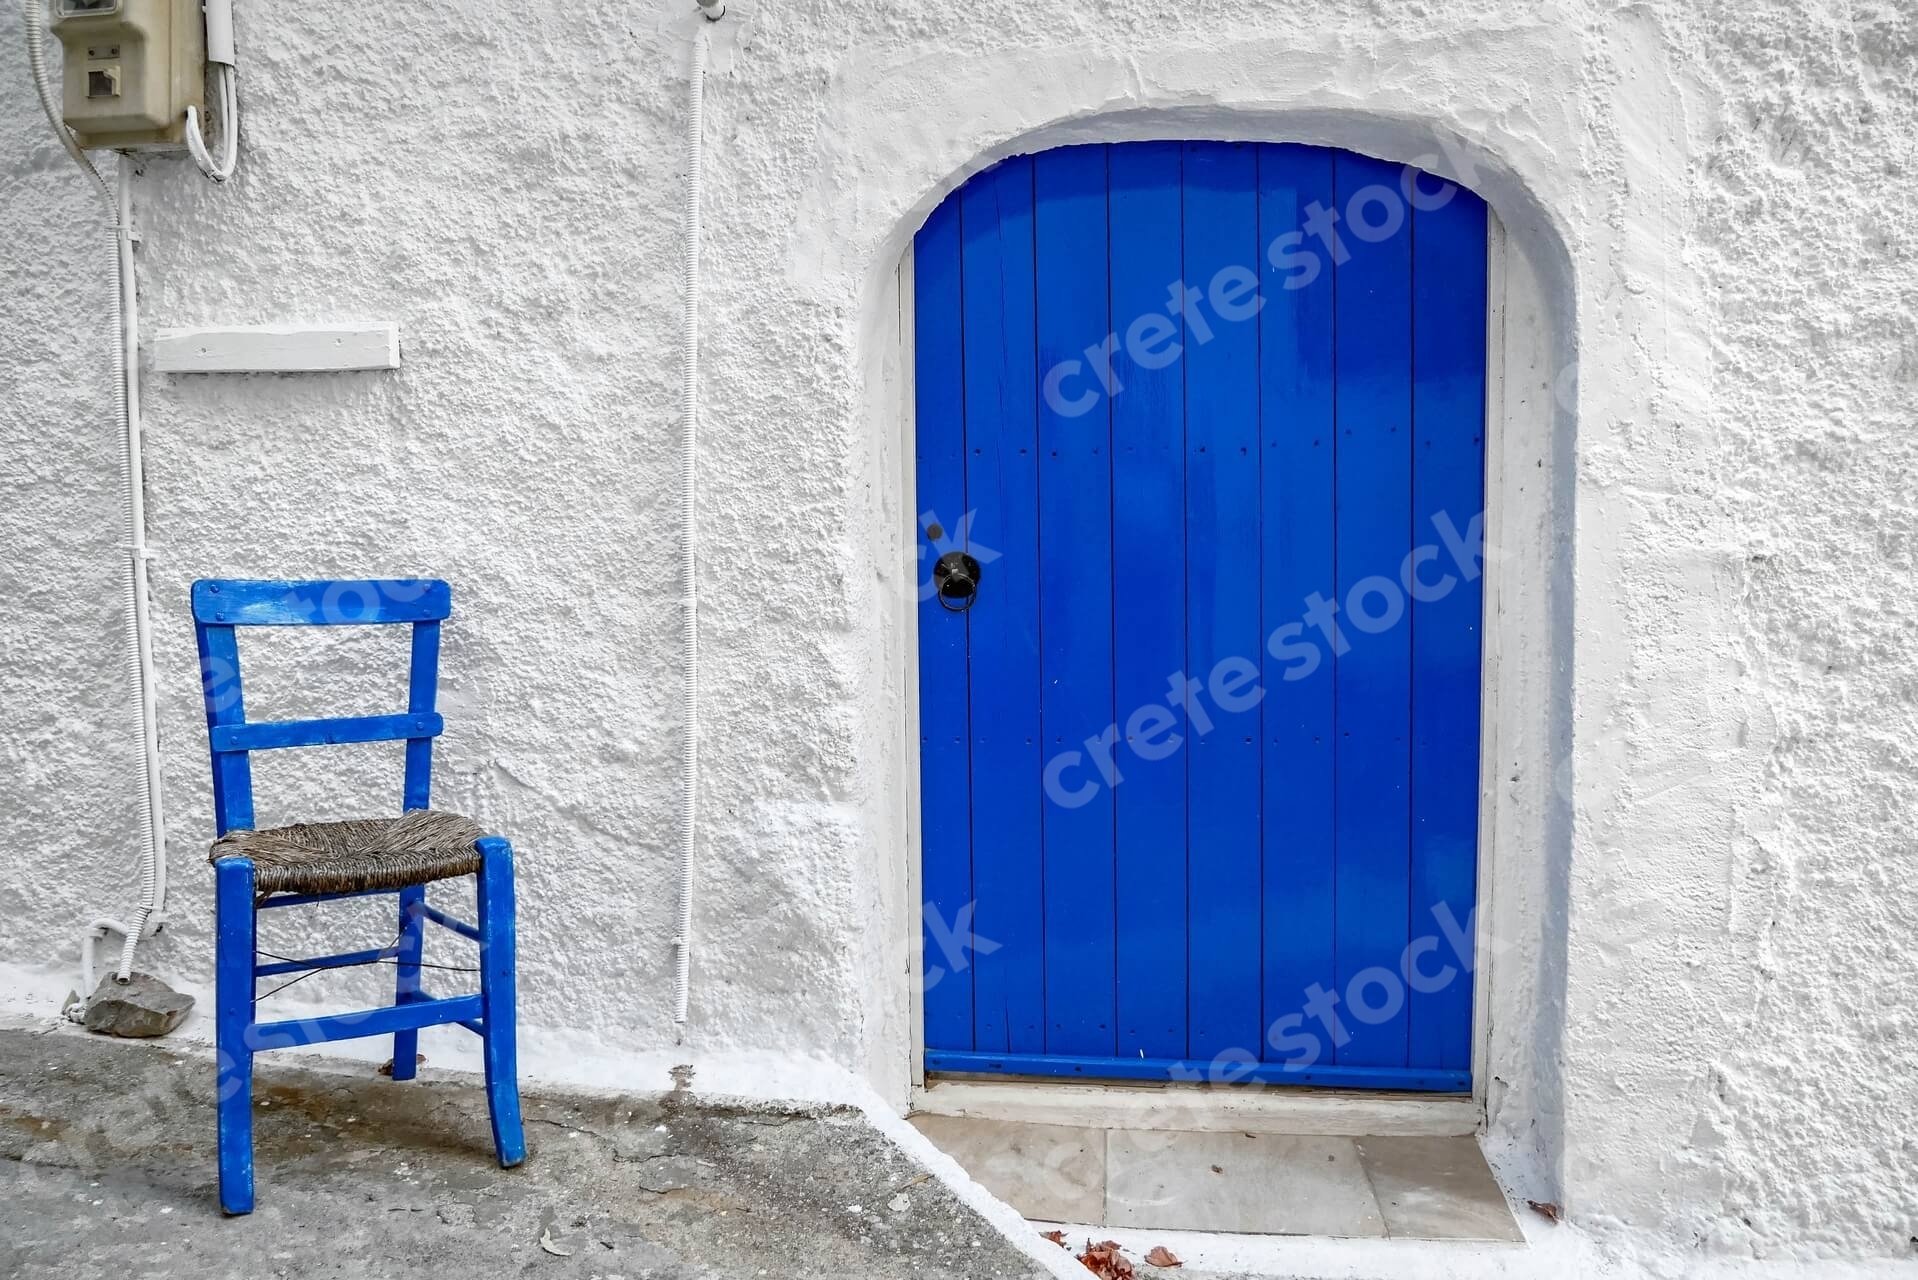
{"points": [[133, 67]]}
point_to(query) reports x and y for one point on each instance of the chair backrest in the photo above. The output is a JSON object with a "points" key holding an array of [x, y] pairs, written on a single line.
{"points": [[220, 605]]}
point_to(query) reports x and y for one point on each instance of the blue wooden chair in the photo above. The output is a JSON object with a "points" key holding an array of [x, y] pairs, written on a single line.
{"points": [[318, 862]]}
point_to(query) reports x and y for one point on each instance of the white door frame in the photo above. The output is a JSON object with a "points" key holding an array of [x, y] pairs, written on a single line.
{"points": [[1511, 427]]}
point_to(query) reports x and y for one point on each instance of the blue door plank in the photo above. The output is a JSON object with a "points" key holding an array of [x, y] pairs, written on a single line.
{"points": [[1223, 642], [1295, 408], [1148, 626], [944, 758], [1448, 477], [1373, 492], [1075, 589], [1002, 485]]}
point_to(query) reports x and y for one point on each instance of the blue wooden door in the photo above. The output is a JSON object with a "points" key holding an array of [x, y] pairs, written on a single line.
{"points": [[1200, 713]]}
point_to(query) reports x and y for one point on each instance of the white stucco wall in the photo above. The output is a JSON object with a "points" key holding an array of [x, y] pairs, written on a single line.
{"points": [[1703, 1026]]}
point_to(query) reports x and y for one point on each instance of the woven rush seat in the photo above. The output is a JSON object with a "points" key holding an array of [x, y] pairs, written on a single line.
{"points": [[356, 854]]}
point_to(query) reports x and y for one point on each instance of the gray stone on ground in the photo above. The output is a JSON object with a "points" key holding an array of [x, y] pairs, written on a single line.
{"points": [[138, 1009]]}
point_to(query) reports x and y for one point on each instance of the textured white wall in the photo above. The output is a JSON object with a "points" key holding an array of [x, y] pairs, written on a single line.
{"points": [[1706, 1029]]}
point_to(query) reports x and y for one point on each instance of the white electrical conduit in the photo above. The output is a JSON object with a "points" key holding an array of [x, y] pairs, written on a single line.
{"points": [[220, 57], [712, 10], [229, 113], [149, 916]]}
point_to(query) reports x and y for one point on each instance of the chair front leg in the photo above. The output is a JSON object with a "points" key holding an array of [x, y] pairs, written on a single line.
{"points": [[234, 946], [497, 997], [406, 1044]]}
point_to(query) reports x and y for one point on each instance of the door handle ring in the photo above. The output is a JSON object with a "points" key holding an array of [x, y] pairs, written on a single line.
{"points": [[956, 578]]}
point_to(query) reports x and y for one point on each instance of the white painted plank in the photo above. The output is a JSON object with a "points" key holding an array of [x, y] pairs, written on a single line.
{"points": [[278, 348]]}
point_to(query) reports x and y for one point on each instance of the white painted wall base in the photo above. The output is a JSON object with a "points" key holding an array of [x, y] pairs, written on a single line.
{"points": [[1550, 1252]]}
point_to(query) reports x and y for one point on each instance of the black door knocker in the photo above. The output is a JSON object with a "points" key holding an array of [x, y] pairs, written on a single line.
{"points": [[957, 578]]}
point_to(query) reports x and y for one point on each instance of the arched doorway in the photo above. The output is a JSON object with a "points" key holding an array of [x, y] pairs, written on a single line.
{"points": [[1199, 715]]}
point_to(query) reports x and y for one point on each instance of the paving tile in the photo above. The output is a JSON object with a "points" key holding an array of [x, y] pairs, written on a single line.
{"points": [[1269, 1184], [1436, 1189], [1051, 1172]]}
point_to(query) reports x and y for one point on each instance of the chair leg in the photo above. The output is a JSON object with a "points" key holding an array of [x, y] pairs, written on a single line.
{"points": [[234, 945], [497, 961], [406, 1044]]}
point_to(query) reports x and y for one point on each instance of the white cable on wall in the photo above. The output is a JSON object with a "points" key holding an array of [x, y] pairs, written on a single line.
{"points": [[138, 626], [689, 537], [149, 917], [220, 59]]}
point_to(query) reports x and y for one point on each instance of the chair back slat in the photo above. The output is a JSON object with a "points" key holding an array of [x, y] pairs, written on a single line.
{"points": [[321, 603], [220, 605], [271, 735]]}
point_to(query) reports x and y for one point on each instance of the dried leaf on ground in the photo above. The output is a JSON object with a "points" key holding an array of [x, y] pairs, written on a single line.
{"points": [[1057, 1237], [1105, 1261], [1545, 1209], [1163, 1257]]}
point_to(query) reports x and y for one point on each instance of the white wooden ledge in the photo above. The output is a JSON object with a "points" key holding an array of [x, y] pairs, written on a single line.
{"points": [[278, 348]]}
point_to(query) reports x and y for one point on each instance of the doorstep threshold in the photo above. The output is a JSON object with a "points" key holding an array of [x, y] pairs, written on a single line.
{"points": [[1199, 1107]]}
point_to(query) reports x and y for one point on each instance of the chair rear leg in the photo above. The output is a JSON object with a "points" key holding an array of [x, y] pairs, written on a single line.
{"points": [[233, 998], [406, 1044], [497, 996]]}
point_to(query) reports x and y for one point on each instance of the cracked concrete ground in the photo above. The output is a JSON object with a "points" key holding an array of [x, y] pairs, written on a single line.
{"points": [[107, 1169]]}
